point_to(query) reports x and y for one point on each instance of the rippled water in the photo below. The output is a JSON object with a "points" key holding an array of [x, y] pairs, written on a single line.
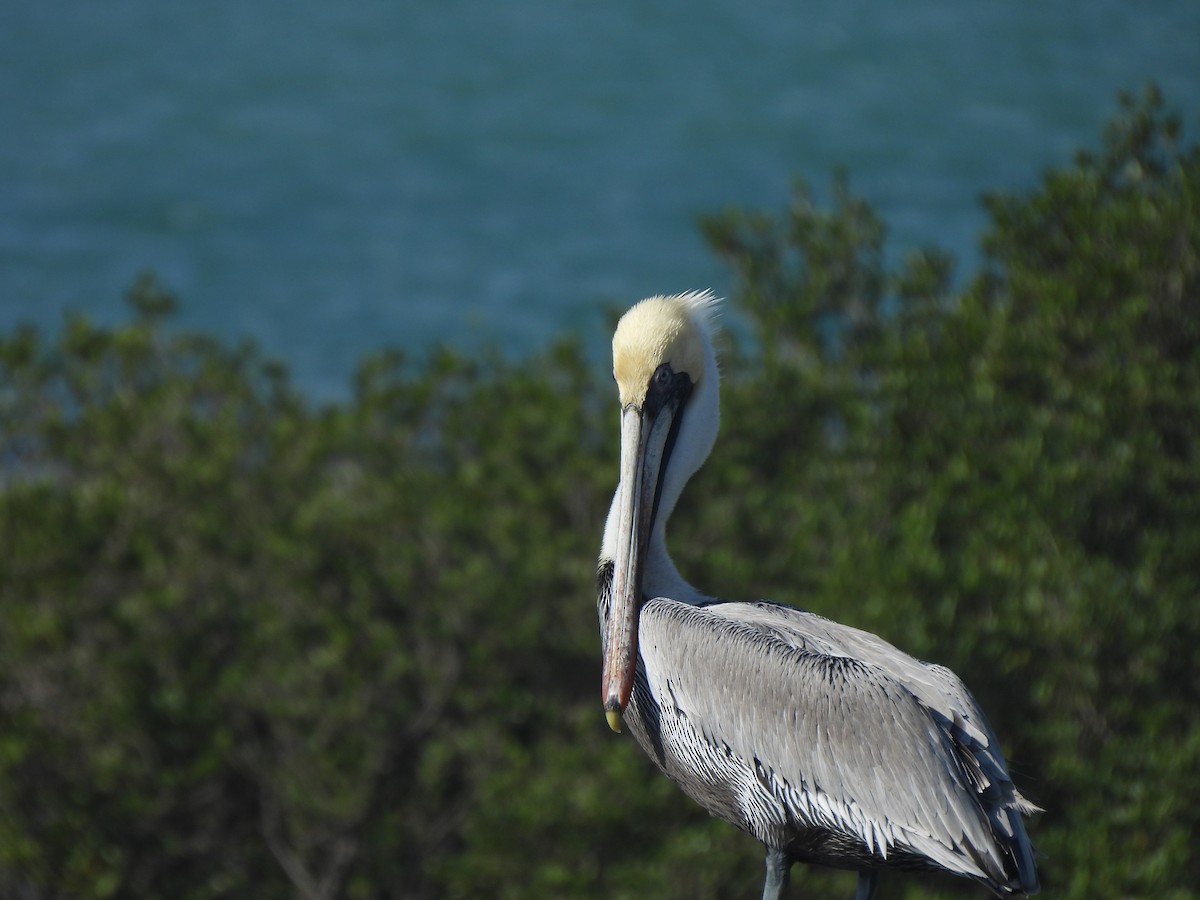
{"points": [[329, 179]]}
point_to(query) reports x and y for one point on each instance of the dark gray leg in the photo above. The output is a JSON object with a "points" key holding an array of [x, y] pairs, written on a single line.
{"points": [[867, 879], [778, 869]]}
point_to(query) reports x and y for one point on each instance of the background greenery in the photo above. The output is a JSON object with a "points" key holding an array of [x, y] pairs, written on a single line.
{"points": [[251, 647]]}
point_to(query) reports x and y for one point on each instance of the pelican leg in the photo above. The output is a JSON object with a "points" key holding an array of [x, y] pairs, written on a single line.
{"points": [[867, 880], [779, 867]]}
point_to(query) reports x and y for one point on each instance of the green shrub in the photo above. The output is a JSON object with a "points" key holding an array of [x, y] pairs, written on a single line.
{"points": [[252, 647]]}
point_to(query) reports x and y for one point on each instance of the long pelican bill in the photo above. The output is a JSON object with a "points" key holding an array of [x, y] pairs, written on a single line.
{"points": [[645, 441]]}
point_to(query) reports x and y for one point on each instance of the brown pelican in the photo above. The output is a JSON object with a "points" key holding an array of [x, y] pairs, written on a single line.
{"points": [[825, 742]]}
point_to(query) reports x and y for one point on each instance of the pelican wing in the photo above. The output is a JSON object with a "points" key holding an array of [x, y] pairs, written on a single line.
{"points": [[936, 687], [829, 726]]}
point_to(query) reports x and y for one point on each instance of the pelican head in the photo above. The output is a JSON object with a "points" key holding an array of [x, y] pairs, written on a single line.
{"points": [[666, 375]]}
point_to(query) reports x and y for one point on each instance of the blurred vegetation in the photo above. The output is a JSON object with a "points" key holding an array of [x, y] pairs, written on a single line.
{"points": [[249, 647]]}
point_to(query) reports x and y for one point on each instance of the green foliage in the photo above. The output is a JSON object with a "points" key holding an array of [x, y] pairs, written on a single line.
{"points": [[250, 647], [1008, 483]]}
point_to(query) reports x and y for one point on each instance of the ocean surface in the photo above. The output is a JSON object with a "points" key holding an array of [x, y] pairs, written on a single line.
{"points": [[329, 179]]}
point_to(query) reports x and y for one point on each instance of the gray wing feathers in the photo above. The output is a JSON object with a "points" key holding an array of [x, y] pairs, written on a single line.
{"points": [[835, 727], [938, 688]]}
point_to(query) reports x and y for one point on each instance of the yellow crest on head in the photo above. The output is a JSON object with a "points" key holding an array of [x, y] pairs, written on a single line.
{"points": [[660, 330]]}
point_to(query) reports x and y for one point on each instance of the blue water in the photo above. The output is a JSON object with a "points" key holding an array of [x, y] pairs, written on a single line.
{"points": [[328, 179]]}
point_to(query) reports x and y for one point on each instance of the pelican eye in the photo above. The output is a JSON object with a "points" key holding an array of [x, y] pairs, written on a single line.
{"points": [[663, 376]]}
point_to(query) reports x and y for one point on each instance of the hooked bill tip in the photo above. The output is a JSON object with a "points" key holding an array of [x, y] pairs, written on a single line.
{"points": [[614, 719]]}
